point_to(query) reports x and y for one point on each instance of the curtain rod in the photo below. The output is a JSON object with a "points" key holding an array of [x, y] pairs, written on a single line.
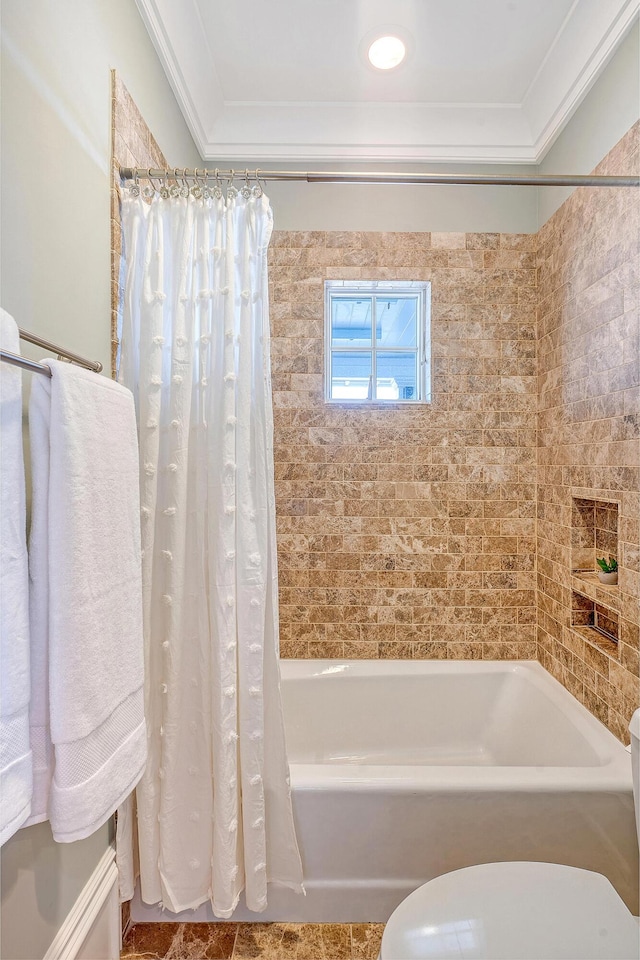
{"points": [[338, 176], [17, 361]]}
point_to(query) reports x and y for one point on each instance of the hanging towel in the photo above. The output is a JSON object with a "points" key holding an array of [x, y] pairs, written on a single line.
{"points": [[86, 601], [15, 752]]}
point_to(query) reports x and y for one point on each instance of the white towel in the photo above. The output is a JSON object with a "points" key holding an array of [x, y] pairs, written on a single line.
{"points": [[15, 752], [86, 597]]}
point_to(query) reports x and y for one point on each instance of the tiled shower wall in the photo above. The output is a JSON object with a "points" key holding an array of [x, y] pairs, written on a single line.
{"points": [[409, 531], [589, 424], [412, 532]]}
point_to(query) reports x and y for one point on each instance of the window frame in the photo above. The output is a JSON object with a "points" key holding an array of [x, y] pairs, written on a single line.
{"points": [[419, 290]]}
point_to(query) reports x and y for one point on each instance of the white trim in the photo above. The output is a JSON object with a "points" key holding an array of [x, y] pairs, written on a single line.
{"points": [[418, 290], [355, 104], [77, 925], [261, 153], [180, 41], [254, 131], [586, 76], [552, 47]]}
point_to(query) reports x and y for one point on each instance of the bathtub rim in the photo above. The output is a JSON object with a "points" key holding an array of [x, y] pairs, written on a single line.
{"points": [[613, 773]]}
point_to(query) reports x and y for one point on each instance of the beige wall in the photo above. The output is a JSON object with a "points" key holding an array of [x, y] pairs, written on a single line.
{"points": [[409, 531], [589, 425], [56, 179]]}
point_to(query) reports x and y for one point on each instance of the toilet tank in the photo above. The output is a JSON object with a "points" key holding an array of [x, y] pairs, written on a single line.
{"points": [[634, 727]]}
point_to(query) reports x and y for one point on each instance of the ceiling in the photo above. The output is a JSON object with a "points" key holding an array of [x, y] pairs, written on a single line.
{"points": [[484, 80]]}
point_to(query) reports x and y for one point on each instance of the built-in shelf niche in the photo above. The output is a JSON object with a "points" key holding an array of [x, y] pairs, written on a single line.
{"points": [[598, 624], [595, 606], [594, 532]]}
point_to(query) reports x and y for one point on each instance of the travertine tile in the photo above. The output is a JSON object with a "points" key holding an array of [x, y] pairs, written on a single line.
{"points": [[587, 312], [414, 509]]}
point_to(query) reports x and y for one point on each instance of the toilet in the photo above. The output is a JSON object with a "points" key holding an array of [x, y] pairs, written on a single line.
{"points": [[518, 911]]}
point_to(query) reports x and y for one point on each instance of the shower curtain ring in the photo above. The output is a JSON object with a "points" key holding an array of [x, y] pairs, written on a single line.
{"points": [[174, 189], [217, 190], [149, 191], [246, 190], [199, 187], [157, 184]]}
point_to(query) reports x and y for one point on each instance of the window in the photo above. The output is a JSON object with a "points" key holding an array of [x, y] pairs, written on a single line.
{"points": [[376, 335]]}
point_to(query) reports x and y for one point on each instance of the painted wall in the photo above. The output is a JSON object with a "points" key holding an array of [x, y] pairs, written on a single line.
{"points": [[56, 101], [610, 108], [56, 61], [41, 881], [404, 208]]}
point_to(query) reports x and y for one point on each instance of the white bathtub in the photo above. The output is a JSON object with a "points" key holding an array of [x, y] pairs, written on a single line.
{"points": [[404, 770]]}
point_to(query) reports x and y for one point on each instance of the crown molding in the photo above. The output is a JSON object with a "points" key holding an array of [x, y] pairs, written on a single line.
{"points": [[259, 153], [583, 47], [385, 131], [468, 133], [179, 38]]}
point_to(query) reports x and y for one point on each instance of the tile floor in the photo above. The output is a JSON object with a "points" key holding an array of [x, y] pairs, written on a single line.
{"points": [[246, 941]]}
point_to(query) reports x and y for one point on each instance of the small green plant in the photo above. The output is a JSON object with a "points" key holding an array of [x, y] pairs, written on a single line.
{"points": [[607, 566]]}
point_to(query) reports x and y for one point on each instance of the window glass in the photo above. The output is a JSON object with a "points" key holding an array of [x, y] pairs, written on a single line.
{"points": [[376, 341], [396, 375], [351, 322], [351, 375], [396, 322]]}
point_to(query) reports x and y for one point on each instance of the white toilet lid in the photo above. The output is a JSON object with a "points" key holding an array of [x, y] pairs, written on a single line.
{"points": [[513, 911]]}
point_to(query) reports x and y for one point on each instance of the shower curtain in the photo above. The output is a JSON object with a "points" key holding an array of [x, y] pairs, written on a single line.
{"points": [[214, 810]]}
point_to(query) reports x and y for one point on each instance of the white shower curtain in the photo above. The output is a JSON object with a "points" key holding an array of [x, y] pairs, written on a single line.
{"points": [[214, 806]]}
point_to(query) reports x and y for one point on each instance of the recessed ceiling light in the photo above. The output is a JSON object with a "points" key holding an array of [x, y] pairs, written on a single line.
{"points": [[387, 52]]}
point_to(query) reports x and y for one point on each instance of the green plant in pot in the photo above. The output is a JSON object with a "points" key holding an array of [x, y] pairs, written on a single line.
{"points": [[608, 572]]}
